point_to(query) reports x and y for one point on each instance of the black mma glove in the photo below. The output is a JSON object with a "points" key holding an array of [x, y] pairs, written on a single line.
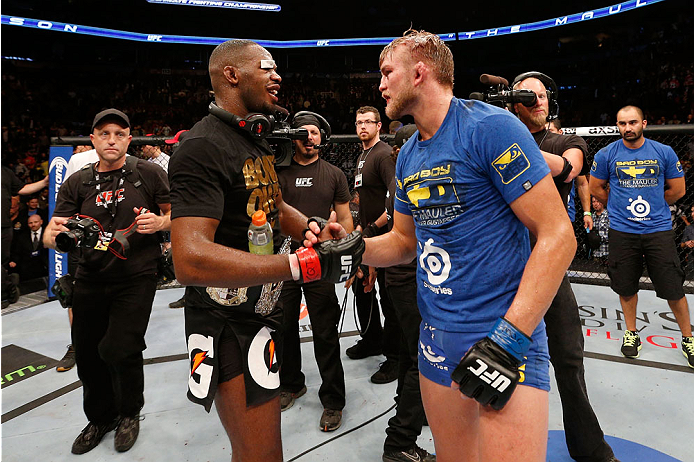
{"points": [[322, 222], [488, 372], [371, 230], [334, 260]]}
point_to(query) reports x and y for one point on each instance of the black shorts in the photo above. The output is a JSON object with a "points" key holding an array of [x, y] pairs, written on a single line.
{"points": [[625, 263], [220, 348]]}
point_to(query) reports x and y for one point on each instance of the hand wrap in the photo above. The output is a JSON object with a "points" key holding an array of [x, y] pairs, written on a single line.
{"points": [[488, 372], [322, 223], [334, 260]]}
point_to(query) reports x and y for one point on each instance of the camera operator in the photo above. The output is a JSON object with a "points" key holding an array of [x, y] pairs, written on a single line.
{"points": [[221, 174], [115, 281], [565, 156]]}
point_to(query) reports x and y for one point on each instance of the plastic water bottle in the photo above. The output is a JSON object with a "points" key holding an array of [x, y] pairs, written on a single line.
{"points": [[260, 235]]}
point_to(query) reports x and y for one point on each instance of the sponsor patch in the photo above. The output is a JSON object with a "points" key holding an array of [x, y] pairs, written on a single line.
{"points": [[511, 163]]}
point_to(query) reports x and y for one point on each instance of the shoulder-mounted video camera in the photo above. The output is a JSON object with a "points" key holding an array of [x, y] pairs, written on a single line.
{"points": [[83, 232], [499, 93], [273, 128]]}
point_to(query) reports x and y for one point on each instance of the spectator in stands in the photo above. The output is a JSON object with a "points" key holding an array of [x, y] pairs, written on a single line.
{"points": [[602, 225], [687, 244], [153, 154], [28, 256], [394, 126], [640, 223]]}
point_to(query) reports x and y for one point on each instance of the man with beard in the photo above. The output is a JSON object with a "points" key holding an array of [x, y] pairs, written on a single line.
{"points": [[472, 181], [314, 187], [374, 171], [565, 156], [222, 173], [644, 176]]}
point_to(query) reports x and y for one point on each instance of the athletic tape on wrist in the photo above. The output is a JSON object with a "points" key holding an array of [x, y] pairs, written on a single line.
{"points": [[510, 338], [294, 266], [309, 264]]}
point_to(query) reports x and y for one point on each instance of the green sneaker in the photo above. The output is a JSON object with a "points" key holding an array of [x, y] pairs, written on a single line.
{"points": [[631, 344], [688, 350]]}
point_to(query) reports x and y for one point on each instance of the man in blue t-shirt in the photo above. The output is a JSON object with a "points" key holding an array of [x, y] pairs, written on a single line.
{"points": [[470, 184], [644, 176]]}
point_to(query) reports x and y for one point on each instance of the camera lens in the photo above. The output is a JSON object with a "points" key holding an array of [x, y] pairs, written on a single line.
{"points": [[68, 240]]}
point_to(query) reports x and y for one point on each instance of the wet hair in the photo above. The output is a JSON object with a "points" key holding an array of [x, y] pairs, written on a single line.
{"points": [[428, 48]]}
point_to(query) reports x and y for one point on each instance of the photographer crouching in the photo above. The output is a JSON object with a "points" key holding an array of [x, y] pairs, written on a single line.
{"points": [[112, 209]]}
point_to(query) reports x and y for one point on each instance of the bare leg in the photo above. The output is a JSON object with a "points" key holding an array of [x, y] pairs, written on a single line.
{"points": [[464, 431], [629, 308], [254, 432], [680, 309]]}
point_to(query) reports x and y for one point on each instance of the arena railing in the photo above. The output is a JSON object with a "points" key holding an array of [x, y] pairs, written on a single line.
{"points": [[343, 150]]}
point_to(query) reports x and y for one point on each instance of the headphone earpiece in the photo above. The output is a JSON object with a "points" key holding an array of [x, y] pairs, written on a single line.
{"points": [[257, 125], [550, 86], [325, 130]]}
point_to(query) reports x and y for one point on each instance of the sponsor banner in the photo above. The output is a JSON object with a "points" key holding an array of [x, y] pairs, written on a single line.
{"points": [[19, 364], [222, 4], [59, 157]]}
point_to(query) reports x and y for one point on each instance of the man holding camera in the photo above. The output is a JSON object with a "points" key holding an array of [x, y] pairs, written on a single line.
{"points": [[565, 155], [314, 187], [221, 174], [113, 210]]}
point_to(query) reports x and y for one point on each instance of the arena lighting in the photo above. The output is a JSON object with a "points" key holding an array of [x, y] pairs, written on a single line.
{"points": [[222, 4], [195, 40]]}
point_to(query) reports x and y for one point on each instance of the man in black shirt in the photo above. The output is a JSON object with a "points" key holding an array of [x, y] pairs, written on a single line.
{"points": [[566, 157], [314, 186], [221, 174], [116, 277], [374, 171]]}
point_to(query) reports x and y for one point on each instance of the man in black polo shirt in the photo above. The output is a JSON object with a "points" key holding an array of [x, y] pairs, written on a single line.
{"points": [[314, 187], [566, 157], [221, 174], [374, 171]]}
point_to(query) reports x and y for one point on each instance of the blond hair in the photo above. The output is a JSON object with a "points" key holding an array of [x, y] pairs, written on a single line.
{"points": [[428, 48]]}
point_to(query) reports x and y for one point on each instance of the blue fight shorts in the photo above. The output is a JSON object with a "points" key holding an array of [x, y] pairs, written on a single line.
{"points": [[440, 353]]}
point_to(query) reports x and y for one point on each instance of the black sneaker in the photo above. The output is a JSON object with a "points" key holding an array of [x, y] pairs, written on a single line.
{"points": [[415, 454], [68, 361], [90, 437], [688, 350], [180, 303], [631, 344], [330, 420], [386, 373], [360, 351], [287, 398], [126, 433]]}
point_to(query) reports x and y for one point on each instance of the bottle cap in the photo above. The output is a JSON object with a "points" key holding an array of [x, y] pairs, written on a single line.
{"points": [[258, 218]]}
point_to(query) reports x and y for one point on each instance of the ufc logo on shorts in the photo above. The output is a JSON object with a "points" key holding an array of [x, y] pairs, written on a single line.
{"points": [[493, 378], [346, 267]]}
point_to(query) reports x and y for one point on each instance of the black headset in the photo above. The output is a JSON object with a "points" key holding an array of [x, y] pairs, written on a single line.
{"points": [[325, 130], [550, 86], [257, 125]]}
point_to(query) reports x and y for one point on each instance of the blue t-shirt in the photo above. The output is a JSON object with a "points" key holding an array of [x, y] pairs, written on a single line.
{"points": [[636, 203], [571, 204], [457, 186]]}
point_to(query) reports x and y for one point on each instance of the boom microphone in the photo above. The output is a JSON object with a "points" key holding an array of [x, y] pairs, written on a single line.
{"points": [[489, 79]]}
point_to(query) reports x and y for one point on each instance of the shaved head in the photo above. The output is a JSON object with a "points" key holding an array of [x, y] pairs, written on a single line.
{"points": [[233, 53]]}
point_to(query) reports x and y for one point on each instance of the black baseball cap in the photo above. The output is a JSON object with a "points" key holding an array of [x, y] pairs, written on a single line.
{"points": [[111, 113], [404, 134]]}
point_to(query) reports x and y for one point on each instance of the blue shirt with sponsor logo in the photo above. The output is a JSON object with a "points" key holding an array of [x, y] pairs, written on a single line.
{"points": [[636, 202], [457, 186]]}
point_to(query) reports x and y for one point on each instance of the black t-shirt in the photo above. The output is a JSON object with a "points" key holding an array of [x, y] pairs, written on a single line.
{"points": [[377, 169], [11, 185], [398, 275], [558, 144], [221, 173], [314, 188], [111, 204]]}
